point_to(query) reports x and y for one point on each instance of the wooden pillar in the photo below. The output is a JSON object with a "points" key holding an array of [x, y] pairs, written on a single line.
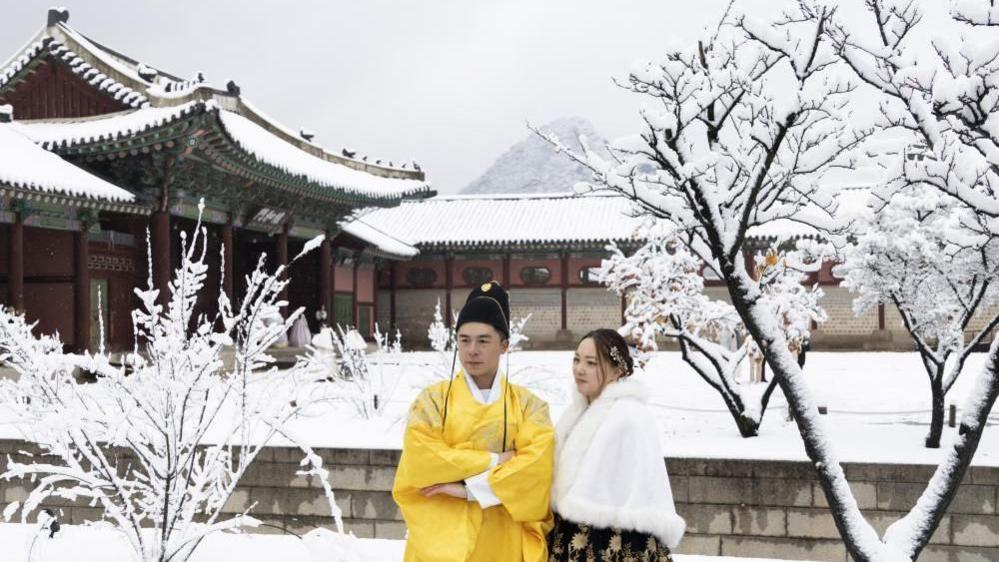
{"points": [[281, 256], [227, 254], [565, 291], [332, 310], [159, 232], [325, 301], [393, 288], [353, 295], [15, 280], [81, 289], [506, 271], [881, 316], [374, 292], [448, 286]]}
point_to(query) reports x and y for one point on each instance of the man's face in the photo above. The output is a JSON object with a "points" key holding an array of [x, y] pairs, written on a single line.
{"points": [[480, 347]]}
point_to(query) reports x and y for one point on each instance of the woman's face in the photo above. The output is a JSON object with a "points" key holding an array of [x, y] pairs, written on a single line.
{"points": [[588, 372]]}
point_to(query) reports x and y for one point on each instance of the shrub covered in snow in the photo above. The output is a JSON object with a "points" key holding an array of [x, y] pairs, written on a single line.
{"points": [[355, 376], [160, 441]]}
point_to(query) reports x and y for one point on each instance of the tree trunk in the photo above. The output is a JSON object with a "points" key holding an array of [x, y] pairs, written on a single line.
{"points": [[937, 410]]}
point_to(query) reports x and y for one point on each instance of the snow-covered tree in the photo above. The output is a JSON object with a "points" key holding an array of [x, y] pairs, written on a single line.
{"points": [[440, 334], [742, 130], [160, 441], [918, 254], [355, 376], [665, 294], [935, 66]]}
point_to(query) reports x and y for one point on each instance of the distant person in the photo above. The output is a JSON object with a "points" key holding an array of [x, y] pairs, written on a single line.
{"points": [[611, 493], [475, 475], [300, 334]]}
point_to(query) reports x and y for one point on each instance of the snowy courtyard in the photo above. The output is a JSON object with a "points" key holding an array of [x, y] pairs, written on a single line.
{"points": [[877, 403], [210, 314]]}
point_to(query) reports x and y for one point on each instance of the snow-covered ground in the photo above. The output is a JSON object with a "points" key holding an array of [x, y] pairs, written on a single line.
{"points": [[23, 543], [878, 407]]}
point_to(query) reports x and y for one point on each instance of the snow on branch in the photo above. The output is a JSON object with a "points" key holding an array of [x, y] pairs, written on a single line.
{"points": [[664, 286], [160, 440]]}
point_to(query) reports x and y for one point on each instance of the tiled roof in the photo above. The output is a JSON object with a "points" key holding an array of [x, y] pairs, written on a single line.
{"points": [[26, 166]]}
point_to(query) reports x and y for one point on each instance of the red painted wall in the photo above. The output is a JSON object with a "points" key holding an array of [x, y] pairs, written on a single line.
{"points": [[54, 91], [343, 278], [51, 305], [47, 252], [124, 269], [4, 237], [459, 266], [366, 284], [436, 265], [577, 264], [554, 265]]}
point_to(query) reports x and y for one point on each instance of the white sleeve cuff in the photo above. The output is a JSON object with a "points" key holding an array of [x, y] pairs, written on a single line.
{"points": [[494, 460], [479, 490]]}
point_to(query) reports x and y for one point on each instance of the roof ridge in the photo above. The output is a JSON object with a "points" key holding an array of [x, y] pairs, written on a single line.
{"points": [[505, 196]]}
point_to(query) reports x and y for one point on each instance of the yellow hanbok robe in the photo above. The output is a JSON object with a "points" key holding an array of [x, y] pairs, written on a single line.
{"points": [[443, 528]]}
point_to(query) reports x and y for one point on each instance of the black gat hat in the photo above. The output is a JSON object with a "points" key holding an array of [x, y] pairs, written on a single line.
{"points": [[488, 304]]}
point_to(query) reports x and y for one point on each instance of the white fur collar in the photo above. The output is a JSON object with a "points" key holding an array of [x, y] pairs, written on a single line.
{"points": [[583, 490], [626, 388], [580, 422]]}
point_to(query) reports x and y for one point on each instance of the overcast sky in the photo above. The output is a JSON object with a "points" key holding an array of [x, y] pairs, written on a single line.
{"points": [[448, 83]]}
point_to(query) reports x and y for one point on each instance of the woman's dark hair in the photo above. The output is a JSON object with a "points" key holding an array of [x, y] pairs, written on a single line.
{"points": [[611, 349]]}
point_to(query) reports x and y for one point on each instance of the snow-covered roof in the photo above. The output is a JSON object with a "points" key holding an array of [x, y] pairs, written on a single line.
{"points": [[498, 221], [58, 133], [141, 86], [248, 135], [26, 166], [270, 149], [506, 220], [382, 243]]}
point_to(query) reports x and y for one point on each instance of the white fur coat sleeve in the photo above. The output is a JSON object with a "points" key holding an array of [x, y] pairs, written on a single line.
{"points": [[609, 467]]}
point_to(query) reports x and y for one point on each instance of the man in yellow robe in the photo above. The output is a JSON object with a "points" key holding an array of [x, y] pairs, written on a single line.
{"points": [[474, 480]]}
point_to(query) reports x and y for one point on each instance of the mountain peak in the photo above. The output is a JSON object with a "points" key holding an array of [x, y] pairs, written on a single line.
{"points": [[533, 166]]}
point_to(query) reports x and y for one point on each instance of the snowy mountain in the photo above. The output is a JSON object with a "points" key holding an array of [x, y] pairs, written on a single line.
{"points": [[532, 166]]}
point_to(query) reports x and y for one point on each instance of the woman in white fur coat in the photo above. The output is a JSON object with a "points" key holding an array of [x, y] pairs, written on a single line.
{"points": [[610, 492]]}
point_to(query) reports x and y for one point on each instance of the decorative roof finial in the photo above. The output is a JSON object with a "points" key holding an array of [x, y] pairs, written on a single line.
{"points": [[56, 16]]}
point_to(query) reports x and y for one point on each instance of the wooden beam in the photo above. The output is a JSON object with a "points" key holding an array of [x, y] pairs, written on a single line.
{"points": [[325, 273], [228, 254], [565, 290], [394, 287], [448, 287], [353, 296], [81, 289], [159, 233], [15, 279], [281, 255]]}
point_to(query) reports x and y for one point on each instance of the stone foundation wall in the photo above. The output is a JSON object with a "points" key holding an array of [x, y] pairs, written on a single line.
{"points": [[733, 507]]}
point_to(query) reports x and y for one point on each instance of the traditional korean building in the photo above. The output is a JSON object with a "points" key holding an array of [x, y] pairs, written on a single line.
{"points": [[146, 147], [544, 248]]}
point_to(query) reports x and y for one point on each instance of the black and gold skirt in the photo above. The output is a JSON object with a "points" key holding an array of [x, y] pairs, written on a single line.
{"points": [[575, 542]]}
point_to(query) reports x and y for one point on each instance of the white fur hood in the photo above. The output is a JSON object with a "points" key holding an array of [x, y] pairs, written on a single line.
{"points": [[609, 467]]}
